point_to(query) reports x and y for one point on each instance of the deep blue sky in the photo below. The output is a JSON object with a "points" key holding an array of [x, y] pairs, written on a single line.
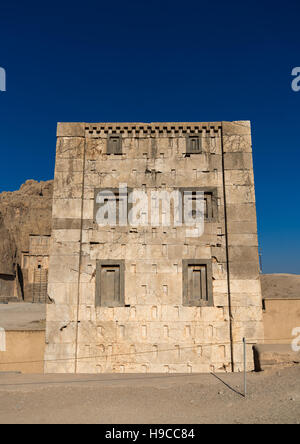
{"points": [[158, 61]]}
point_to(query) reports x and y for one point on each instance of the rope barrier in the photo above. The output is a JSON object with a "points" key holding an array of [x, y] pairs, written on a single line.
{"points": [[104, 357]]}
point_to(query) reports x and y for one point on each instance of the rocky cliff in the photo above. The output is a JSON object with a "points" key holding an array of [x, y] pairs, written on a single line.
{"points": [[23, 212], [7, 250]]}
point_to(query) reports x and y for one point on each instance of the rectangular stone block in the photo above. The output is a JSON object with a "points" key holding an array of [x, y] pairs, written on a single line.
{"points": [[238, 194], [63, 293], [68, 185], [63, 269], [238, 161], [245, 286], [70, 129], [68, 165], [67, 208], [245, 212], [244, 269], [239, 177], [239, 128], [61, 332], [247, 240], [66, 235], [70, 148]]}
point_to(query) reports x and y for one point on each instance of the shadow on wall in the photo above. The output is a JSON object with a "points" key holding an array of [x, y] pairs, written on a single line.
{"points": [[20, 280]]}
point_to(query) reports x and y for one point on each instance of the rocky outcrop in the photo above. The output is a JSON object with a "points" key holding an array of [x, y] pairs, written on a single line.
{"points": [[280, 286], [23, 212], [7, 250]]}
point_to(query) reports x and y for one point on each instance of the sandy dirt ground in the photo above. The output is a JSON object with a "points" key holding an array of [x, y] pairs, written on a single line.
{"points": [[22, 316], [280, 285], [274, 398]]}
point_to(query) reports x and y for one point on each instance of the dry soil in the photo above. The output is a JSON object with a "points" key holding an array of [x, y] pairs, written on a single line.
{"points": [[273, 398]]}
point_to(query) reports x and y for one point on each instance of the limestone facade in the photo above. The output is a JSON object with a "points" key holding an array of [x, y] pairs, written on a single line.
{"points": [[152, 328], [34, 265]]}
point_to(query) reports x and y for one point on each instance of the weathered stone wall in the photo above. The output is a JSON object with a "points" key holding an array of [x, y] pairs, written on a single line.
{"points": [[281, 320], [27, 211], [281, 312], [243, 262], [35, 264], [7, 250], [153, 331], [7, 287], [7, 266], [23, 213]]}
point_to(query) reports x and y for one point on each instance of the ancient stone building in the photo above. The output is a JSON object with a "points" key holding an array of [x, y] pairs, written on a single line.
{"points": [[144, 294], [34, 266]]}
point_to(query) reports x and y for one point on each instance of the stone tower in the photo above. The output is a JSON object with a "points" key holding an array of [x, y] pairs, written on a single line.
{"points": [[139, 294]]}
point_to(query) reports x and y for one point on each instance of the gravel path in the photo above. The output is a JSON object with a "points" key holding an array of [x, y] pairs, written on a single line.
{"points": [[274, 397]]}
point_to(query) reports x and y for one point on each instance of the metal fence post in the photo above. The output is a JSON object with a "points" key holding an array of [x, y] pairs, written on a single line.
{"points": [[245, 367]]}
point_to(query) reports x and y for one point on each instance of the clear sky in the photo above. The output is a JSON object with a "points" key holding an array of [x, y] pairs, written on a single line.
{"points": [[128, 61]]}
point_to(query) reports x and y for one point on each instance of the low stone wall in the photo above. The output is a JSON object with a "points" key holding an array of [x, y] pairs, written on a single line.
{"points": [[281, 317], [275, 356], [22, 351]]}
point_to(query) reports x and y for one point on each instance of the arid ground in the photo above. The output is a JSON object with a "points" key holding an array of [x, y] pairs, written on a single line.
{"points": [[280, 285], [273, 397]]}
